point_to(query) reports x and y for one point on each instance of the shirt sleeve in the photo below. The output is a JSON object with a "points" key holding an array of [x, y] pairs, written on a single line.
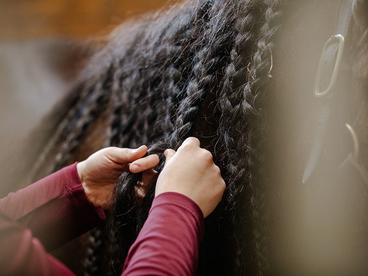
{"points": [[55, 209], [22, 254], [168, 243]]}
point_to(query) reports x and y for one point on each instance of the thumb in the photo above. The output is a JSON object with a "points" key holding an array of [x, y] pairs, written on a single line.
{"points": [[124, 155], [169, 153]]}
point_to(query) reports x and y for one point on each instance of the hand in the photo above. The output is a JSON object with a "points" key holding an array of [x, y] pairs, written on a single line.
{"points": [[191, 171], [99, 173]]}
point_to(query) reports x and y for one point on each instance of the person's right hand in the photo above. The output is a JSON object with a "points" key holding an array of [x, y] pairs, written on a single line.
{"points": [[191, 171]]}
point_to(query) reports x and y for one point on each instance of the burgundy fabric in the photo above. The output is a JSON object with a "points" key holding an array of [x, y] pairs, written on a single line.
{"points": [[168, 243], [46, 214], [55, 210]]}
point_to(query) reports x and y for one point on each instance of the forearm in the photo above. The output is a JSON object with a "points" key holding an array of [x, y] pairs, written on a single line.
{"points": [[168, 243], [54, 208]]}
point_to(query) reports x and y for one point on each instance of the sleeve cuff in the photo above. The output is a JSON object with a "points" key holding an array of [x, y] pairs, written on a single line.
{"points": [[182, 201], [74, 190]]}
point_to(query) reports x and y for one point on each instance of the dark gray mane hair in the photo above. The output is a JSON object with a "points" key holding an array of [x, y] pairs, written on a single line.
{"points": [[196, 69]]}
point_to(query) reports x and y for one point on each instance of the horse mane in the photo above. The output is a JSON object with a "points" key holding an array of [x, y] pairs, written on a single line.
{"points": [[200, 68], [195, 69]]}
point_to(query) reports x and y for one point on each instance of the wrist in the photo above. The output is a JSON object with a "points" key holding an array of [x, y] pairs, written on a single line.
{"points": [[80, 171]]}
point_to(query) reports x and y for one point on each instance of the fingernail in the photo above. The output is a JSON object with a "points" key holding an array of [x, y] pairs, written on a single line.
{"points": [[134, 166], [141, 147], [136, 149]]}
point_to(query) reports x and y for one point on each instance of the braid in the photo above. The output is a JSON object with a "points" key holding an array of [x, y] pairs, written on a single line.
{"points": [[113, 138], [179, 70], [251, 139], [234, 107], [232, 101], [92, 259], [259, 73], [122, 116], [204, 79], [237, 101], [125, 218], [62, 128], [97, 98]]}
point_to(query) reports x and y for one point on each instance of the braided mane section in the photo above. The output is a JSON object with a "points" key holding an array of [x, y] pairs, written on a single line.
{"points": [[197, 69]]}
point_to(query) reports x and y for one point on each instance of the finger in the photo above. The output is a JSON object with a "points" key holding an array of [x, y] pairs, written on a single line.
{"points": [[169, 153], [125, 155], [193, 141], [144, 163]]}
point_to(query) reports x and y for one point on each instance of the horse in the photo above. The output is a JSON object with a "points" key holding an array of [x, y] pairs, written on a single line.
{"points": [[229, 73]]}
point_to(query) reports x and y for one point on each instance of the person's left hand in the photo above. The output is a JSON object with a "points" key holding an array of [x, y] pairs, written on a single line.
{"points": [[99, 173]]}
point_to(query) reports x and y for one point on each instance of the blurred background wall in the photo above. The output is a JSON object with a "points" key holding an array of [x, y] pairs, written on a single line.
{"points": [[24, 19]]}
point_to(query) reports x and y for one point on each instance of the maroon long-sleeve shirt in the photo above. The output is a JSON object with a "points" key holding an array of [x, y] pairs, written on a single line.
{"points": [[54, 210]]}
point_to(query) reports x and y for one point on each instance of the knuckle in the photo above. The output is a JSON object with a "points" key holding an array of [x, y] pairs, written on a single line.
{"points": [[186, 147], [187, 144], [190, 145], [223, 184], [168, 153], [192, 141], [207, 156], [221, 187], [115, 149], [107, 150], [217, 170]]}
